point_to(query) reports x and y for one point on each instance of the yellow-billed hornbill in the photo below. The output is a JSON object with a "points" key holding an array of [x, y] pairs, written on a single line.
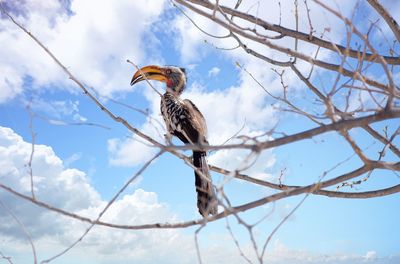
{"points": [[184, 120]]}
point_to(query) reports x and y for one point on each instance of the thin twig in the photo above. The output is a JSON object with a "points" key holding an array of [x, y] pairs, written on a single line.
{"points": [[24, 230]]}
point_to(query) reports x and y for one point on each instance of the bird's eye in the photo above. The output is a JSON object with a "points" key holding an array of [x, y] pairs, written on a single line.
{"points": [[168, 71]]}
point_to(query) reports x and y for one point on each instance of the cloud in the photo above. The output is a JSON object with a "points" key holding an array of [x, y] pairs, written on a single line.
{"points": [[111, 34], [370, 255], [71, 190], [214, 71], [133, 150], [59, 109], [11, 83], [71, 159], [65, 188], [188, 39], [246, 112], [280, 253], [129, 152]]}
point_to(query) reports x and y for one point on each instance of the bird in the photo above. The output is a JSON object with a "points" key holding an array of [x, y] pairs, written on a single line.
{"points": [[184, 121]]}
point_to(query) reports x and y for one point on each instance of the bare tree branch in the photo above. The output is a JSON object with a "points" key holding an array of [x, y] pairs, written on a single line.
{"points": [[359, 94], [288, 32], [387, 17]]}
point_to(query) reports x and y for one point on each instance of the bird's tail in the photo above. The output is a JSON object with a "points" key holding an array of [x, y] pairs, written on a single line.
{"points": [[206, 199]]}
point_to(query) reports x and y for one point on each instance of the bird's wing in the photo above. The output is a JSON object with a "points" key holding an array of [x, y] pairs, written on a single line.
{"points": [[194, 126]]}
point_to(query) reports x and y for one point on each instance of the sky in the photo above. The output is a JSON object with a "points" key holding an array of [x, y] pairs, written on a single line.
{"points": [[82, 157]]}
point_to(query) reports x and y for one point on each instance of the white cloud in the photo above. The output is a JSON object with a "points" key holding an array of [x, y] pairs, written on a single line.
{"points": [[10, 83], [214, 71], [241, 110], [71, 190], [370, 255], [280, 253], [99, 60], [71, 159], [129, 152], [242, 106], [189, 39], [66, 188], [93, 45], [59, 109], [51, 179], [134, 150]]}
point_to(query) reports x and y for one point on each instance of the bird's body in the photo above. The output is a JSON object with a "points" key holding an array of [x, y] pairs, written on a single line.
{"points": [[174, 112], [184, 120]]}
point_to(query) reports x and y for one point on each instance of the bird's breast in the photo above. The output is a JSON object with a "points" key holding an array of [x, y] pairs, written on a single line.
{"points": [[173, 112]]}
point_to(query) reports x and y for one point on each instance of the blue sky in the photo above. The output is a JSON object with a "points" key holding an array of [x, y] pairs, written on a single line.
{"points": [[82, 157]]}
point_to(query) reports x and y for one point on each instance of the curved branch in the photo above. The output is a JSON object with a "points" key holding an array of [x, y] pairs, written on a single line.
{"points": [[335, 194], [241, 208], [292, 33], [345, 124], [392, 23]]}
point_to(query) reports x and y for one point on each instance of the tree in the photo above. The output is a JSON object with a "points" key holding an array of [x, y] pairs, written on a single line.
{"points": [[353, 95]]}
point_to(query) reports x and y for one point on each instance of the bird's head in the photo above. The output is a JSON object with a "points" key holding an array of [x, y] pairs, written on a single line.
{"points": [[174, 77]]}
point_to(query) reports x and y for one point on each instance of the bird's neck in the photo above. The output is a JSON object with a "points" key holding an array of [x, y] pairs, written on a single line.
{"points": [[173, 91]]}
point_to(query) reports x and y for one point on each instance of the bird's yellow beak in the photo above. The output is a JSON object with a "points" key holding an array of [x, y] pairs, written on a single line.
{"points": [[150, 72]]}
